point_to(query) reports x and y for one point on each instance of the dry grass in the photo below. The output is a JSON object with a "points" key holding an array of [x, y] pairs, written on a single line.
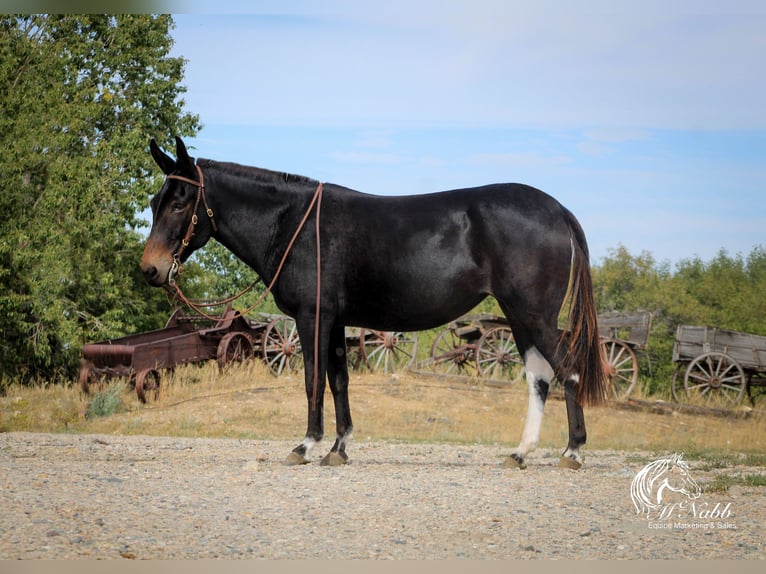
{"points": [[250, 403]]}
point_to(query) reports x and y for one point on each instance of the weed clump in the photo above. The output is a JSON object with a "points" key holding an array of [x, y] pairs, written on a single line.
{"points": [[106, 402]]}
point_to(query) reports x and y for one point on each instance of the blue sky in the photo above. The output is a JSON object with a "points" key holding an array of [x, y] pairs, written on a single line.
{"points": [[646, 119]]}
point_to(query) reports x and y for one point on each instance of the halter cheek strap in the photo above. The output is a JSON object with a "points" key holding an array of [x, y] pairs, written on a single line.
{"points": [[190, 230]]}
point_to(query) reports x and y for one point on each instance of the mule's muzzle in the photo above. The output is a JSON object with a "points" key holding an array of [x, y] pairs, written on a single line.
{"points": [[154, 276], [158, 264], [159, 272]]}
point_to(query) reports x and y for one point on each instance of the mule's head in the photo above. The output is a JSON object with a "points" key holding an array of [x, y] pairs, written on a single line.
{"points": [[177, 227]]}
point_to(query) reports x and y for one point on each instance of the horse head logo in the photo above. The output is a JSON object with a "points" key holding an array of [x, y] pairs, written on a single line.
{"points": [[657, 481]]}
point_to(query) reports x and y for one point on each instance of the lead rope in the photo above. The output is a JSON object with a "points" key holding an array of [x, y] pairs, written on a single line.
{"points": [[316, 200], [196, 305]]}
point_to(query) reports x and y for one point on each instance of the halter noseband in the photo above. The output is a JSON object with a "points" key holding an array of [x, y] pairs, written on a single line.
{"points": [[177, 267]]}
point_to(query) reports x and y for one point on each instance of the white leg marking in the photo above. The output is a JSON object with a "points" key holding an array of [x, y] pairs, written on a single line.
{"points": [[537, 368], [308, 444], [344, 439], [573, 453]]}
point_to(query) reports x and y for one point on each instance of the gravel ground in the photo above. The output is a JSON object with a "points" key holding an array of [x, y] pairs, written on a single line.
{"points": [[112, 497]]}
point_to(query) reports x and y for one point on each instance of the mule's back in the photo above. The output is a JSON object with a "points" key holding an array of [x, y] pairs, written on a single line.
{"points": [[428, 258]]}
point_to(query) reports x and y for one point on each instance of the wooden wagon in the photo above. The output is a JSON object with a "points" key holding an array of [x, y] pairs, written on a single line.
{"points": [[279, 345], [141, 358], [480, 344], [386, 351], [381, 351], [717, 366], [483, 345], [624, 336]]}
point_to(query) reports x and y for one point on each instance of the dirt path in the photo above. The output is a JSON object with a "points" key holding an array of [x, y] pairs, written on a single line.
{"points": [[88, 496]]}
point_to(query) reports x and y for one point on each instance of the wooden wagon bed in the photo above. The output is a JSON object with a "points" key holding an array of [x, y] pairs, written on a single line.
{"points": [[717, 365]]}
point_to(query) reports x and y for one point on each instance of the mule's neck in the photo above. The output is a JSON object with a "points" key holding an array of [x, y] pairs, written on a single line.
{"points": [[256, 210]]}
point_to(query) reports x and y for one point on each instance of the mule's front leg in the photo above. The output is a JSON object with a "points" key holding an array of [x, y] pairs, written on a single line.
{"points": [[301, 454], [337, 373]]}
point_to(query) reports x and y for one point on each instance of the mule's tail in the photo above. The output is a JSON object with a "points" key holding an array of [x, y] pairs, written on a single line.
{"points": [[584, 353]]}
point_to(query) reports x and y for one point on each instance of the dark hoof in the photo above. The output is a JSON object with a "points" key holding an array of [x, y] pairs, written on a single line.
{"points": [[294, 459], [334, 459], [513, 462], [570, 463]]}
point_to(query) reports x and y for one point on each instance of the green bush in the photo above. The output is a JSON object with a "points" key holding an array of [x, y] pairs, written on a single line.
{"points": [[106, 402]]}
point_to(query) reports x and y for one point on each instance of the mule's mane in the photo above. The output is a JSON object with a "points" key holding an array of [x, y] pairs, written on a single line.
{"points": [[254, 172]]}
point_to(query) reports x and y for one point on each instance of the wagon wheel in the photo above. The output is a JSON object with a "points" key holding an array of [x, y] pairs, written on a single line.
{"points": [[281, 347], [388, 351], [497, 356], [89, 376], [452, 355], [677, 384], [353, 350], [234, 347], [716, 378], [623, 366], [147, 380]]}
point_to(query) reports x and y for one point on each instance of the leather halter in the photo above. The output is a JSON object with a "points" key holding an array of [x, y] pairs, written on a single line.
{"points": [[177, 267]]}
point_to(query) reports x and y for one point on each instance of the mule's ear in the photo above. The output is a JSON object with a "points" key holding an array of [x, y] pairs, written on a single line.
{"points": [[166, 163], [184, 162]]}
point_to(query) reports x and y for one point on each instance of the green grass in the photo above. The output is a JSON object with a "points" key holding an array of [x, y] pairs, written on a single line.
{"points": [[723, 482], [709, 459], [713, 459]]}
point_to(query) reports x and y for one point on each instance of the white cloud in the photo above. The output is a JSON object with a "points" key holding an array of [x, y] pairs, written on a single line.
{"points": [[376, 139], [602, 141], [521, 159], [368, 158], [616, 134]]}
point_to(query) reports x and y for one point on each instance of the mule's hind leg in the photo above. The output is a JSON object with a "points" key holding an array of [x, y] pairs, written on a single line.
{"points": [[337, 373], [577, 435], [539, 375]]}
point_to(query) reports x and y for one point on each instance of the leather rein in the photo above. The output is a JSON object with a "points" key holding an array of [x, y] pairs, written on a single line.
{"points": [[177, 267]]}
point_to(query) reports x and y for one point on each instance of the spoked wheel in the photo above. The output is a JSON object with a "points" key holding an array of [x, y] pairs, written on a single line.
{"points": [[623, 367], [716, 379], [234, 348], [89, 377], [677, 384], [452, 355], [147, 382], [281, 347], [497, 356], [388, 351]]}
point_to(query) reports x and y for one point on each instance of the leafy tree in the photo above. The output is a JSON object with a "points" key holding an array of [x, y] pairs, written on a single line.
{"points": [[728, 291], [80, 96], [627, 283]]}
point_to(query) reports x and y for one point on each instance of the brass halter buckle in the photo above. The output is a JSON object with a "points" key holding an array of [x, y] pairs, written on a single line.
{"points": [[175, 270]]}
